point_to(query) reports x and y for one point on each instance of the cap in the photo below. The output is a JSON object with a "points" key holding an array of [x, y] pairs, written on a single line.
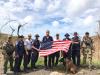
{"points": [[21, 36], [87, 33], [29, 35], [9, 37], [37, 35], [67, 35], [75, 33], [57, 34]]}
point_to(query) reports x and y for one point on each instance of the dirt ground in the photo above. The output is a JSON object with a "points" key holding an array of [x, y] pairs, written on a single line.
{"points": [[45, 72], [55, 71]]}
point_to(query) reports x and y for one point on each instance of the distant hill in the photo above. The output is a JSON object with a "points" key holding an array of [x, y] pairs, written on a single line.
{"points": [[3, 37]]}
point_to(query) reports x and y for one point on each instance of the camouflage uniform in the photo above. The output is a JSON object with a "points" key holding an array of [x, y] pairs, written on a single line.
{"points": [[87, 50], [8, 49]]}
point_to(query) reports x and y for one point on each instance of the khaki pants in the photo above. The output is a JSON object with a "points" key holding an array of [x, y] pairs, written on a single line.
{"points": [[87, 56], [6, 60]]}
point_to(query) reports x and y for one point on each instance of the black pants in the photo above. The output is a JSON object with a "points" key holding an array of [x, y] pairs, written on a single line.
{"points": [[29, 56], [56, 58], [34, 58], [67, 55], [76, 57], [10, 60], [25, 63], [18, 62], [48, 61]]}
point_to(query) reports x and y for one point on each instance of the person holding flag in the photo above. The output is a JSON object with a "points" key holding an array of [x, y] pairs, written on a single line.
{"points": [[48, 63], [57, 54], [76, 49]]}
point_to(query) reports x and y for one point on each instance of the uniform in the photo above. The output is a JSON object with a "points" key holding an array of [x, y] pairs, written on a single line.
{"points": [[48, 62], [87, 50], [35, 53], [19, 53], [76, 50], [8, 55]]}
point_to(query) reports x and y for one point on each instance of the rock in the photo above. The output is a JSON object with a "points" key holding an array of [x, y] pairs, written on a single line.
{"points": [[56, 73]]}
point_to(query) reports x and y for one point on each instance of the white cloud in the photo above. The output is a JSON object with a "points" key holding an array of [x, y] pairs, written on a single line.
{"points": [[81, 13], [93, 10], [55, 24], [38, 5], [67, 20], [78, 7], [53, 6], [28, 19], [88, 20]]}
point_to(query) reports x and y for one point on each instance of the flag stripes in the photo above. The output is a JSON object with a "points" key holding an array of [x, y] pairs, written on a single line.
{"points": [[55, 47]]}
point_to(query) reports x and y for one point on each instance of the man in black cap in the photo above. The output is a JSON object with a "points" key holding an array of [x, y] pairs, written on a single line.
{"points": [[19, 53], [48, 59], [35, 52], [76, 49], [68, 54]]}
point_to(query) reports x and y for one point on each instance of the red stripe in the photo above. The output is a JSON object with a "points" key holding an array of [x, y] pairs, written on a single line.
{"points": [[57, 46]]}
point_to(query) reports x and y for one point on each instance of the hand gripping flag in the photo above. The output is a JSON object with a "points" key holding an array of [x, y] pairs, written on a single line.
{"points": [[48, 48]]}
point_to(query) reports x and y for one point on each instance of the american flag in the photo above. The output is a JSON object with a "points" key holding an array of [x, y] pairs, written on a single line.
{"points": [[52, 47]]}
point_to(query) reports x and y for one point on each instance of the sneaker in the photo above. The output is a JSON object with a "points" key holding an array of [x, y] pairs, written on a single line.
{"points": [[15, 73], [46, 68], [35, 68], [26, 71], [4, 72]]}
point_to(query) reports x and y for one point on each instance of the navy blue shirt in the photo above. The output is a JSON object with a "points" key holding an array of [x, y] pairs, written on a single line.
{"points": [[20, 48], [47, 39], [36, 43], [46, 42]]}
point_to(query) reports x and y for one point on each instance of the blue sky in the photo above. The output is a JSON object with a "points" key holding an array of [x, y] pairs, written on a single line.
{"points": [[58, 16]]}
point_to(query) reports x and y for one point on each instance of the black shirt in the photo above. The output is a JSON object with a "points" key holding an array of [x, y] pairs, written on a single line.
{"points": [[74, 45]]}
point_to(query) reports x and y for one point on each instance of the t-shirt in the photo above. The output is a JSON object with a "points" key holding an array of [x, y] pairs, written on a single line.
{"points": [[47, 39], [76, 46], [28, 43]]}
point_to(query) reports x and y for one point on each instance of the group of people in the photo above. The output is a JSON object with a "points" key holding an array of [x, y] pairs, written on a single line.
{"points": [[27, 50]]}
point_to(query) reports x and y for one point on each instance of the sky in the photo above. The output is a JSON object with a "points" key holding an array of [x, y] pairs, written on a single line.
{"points": [[58, 16]]}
